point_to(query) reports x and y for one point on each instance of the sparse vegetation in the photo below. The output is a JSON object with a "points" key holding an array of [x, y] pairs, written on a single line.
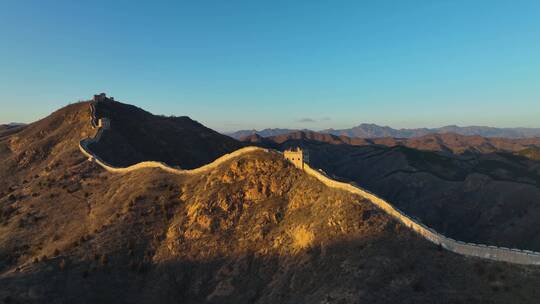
{"points": [[302, 237], [531, 153]]}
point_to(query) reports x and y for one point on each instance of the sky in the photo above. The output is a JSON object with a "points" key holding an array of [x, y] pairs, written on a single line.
{"points": [[289, 64]]}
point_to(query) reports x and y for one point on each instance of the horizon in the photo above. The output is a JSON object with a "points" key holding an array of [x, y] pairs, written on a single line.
{"points": [[384, 126], [303, 65], [292, 128]]}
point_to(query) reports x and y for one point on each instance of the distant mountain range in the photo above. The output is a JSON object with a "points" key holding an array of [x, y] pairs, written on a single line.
{"points": [[445, 142], [263, 133], [11, 125], [376, 131]]}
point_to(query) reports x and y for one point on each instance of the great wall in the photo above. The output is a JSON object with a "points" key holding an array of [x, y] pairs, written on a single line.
{"points": [[509, 255], [103, 124]]}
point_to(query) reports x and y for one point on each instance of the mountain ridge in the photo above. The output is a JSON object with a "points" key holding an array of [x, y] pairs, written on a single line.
{"points": [[445, 142], [370, 130]]}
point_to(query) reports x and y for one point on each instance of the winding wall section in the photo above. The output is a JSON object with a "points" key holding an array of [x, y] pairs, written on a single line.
{"points": [[516, 256]]}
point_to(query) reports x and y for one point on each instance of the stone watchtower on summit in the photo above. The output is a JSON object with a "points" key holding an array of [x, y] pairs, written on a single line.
{"points": [[298, 157], [102, 97]]}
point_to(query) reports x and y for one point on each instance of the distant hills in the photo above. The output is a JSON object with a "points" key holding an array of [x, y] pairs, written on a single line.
{"points": [[263, 133], [375, 131], [445, 142], [11, 125]]}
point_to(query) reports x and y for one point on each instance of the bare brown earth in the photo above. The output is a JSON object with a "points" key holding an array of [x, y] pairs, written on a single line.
{"points": [[491, 198], [255, 230]]}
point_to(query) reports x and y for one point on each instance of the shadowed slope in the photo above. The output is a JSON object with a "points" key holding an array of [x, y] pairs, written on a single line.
{"points": [[137, 136]]}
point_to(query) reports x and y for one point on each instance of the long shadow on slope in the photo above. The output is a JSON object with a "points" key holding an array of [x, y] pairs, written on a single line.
{"points": [[382, 270]]}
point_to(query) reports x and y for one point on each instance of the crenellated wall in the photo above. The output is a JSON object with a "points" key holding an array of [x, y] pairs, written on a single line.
{"points": [[468, 249]]}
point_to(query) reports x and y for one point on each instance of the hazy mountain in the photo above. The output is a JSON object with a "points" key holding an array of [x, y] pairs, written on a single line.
{"points": [[374, 131], [253, 230], [445, 142], [11, 125], [306, 135], [264, 133]]}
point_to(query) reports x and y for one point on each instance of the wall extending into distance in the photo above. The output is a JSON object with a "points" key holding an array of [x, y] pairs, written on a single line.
{"points": [[470, 249], [516, 256]]}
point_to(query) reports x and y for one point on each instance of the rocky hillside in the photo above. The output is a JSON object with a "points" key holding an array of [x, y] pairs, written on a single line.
{"points": [[137, 135], [255, 230]]}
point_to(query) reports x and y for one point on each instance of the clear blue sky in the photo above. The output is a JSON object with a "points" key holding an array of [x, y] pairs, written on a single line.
{"points": [[299, 64]]}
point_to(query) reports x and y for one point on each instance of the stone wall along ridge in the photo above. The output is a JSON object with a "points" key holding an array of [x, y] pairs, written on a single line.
{"points": [[516, 256], [103, 125]]}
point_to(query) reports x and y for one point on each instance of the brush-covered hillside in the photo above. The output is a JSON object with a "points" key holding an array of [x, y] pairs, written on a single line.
{"points": [[253, 230]]}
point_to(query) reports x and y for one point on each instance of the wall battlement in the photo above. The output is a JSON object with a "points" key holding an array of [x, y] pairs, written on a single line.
{"points": [[299, 159], [101, 97]]}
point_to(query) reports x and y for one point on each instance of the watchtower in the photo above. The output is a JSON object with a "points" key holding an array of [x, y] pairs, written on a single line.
{"points": [[298, 157], [101, 97]]}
